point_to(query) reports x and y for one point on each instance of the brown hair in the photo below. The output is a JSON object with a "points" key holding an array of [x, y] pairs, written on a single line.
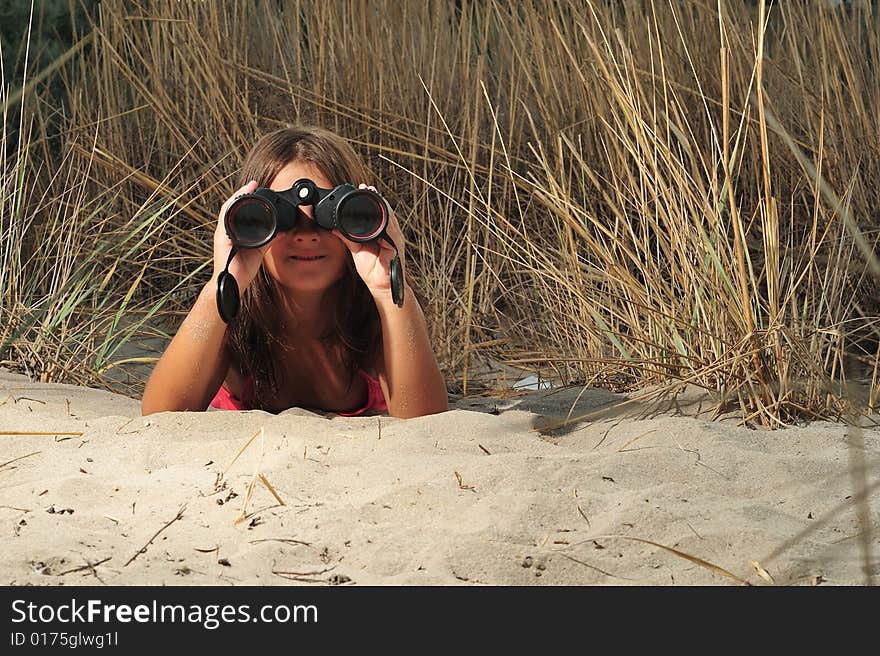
{"points": [[254, 332]]}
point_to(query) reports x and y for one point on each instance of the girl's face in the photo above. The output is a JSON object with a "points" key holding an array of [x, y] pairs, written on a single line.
{"points": [[306, 258]]}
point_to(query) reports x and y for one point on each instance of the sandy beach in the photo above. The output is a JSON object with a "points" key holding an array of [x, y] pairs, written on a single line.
{"points": [[475, 496]]}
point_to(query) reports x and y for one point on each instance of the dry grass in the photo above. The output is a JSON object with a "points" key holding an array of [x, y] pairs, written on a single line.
{"points": [[634, 191]]}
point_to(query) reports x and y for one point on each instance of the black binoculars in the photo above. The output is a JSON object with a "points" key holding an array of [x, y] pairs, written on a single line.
{"points": [[253, 220]]}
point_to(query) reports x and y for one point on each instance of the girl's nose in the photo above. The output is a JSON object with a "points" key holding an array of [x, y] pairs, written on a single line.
{"points": [[305, 228]]}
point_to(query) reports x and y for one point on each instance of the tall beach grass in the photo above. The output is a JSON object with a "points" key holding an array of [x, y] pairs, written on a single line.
{"points": [[627, 193]]}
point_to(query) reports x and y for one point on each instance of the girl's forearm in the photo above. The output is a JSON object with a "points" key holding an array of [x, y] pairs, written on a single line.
{"points": [[415, 384], [195, 363]]}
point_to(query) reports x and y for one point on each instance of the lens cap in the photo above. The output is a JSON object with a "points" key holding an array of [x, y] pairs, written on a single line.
{"points": [[397, 281], [228, 301]]}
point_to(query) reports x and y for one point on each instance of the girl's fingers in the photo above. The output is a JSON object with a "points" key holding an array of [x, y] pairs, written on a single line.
{"points": [[249, 188]]}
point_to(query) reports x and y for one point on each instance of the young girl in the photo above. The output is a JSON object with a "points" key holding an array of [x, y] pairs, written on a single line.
{"points": [[317, 326]]}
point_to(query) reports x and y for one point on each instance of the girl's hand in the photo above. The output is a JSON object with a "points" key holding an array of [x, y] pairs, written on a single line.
{"points": [[372, 259], [246, 263]]}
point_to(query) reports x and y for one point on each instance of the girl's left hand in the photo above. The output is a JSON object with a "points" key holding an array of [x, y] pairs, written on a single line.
{"points": [[372, 259]]}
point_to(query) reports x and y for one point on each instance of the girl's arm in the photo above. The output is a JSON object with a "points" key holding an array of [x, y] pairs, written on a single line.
{"points": [[408, 370], [194, 365]]}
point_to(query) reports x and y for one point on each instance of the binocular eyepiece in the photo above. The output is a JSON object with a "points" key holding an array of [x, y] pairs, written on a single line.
{"points": [[255, 219]]}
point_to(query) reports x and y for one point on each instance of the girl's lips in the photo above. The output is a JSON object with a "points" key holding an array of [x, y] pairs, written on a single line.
{"points": [[306, 258]]}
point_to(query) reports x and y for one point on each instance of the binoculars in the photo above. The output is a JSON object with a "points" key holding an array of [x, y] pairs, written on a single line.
{"points": [[255, 219]]}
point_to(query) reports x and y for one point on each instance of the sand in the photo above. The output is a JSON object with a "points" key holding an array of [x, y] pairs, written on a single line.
{"points": [[474, 496]]}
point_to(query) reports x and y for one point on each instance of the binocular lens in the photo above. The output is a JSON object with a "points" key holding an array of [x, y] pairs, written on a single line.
{"points": [[251, 222], [361, 216]]}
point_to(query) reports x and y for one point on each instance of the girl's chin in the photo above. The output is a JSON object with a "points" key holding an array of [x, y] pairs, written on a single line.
{"points": [[307, 284]]}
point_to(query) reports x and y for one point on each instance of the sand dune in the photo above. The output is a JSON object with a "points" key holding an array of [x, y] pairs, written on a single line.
{"points": [[473, 496]]}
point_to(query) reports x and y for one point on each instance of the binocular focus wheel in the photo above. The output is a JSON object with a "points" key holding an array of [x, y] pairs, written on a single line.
{"points": [[228, 301], [305, 191]]}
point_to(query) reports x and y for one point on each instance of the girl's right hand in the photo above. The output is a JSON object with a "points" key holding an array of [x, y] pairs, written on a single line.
{"points": [[246, 263]]}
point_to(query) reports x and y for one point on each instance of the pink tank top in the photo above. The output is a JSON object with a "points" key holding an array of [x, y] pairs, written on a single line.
{"points": [[225, 400]]}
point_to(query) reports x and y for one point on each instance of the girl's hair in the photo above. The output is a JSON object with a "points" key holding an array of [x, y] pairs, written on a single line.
{"points": [[257, 327]]}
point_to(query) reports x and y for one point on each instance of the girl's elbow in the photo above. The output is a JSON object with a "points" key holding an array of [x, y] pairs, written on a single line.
{"points": [[409, 411], [437, 404], [151, 405]]}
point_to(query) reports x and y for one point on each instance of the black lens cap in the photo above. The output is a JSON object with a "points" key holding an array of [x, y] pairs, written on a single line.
{"points": [[228, 301], [397, 281]]}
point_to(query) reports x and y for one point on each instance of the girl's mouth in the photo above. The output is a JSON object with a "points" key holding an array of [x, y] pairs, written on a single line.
{"points": [[306, 258]]}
